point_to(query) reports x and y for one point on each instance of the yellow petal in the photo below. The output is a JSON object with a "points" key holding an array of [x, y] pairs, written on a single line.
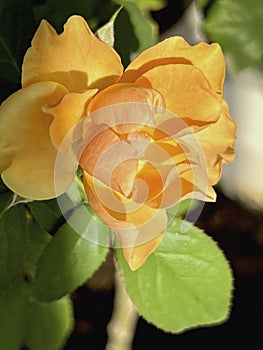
{"points": [[217, 140], [67, 114], [29, 156], [76, 58], [187, 93], [175, 50]]}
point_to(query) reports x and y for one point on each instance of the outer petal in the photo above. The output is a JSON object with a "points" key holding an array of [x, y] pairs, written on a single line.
{"points": [[74, 58], [28, 153], [67, 114], [175, 50], [187, 92], [139, 231], [217, 141]]}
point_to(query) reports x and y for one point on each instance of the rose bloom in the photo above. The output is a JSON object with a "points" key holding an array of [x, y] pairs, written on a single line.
{"points": [[152, 135]]}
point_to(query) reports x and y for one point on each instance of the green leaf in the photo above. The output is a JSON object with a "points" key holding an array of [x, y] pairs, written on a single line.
{"points": [[12, 244], [16, 30], [150, 4], [39, 325], [37, 240], [203, 3], [143, 27], [134, 31], [13, 302], [49, 324], [186, 282], [69, 259], [106, 32], [237, 26], [47, 214]]}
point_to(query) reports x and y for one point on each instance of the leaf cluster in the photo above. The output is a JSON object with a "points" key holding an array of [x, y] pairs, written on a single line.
{"points": [[237, 26]]}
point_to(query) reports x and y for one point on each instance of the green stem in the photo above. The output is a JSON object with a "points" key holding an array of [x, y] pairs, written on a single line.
{"points": [[122, 326]]}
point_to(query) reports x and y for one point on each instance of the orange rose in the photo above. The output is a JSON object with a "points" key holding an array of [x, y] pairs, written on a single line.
{"points": [[153, 135]]}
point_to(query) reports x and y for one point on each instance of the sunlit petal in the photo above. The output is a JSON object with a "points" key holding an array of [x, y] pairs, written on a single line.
{"points": [[187, 92], [28, 153], [175, 50], [76, 58], [217, 141]]}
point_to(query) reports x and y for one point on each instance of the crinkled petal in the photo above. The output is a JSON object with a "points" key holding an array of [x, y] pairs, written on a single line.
{"points": [[74, 58], [100, 140], [28, 153], [187, 92], [217, 140], [105, 151], [125, 106], [67, 113], [175, 50], [138, 227]]}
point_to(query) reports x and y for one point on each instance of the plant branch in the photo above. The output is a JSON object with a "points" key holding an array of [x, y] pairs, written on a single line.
{"points": [[122, 326]]}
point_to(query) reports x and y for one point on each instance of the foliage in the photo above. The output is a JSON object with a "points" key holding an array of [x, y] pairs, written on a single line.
{"points": [[236, 25], [186, 282]]}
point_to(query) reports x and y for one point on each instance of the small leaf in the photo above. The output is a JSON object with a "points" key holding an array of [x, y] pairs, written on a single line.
{"points": [[237, 26], [12, 244], [49, 324], [69, 259], [143, 27], [106, 32], [13, 303], [134, 31], [186, 282]]}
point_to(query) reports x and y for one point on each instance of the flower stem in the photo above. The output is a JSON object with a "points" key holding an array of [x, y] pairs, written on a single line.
{"points": [[122, 326]]}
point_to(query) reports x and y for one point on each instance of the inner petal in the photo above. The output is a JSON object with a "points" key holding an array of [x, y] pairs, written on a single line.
{"points": [[124, 106]]}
